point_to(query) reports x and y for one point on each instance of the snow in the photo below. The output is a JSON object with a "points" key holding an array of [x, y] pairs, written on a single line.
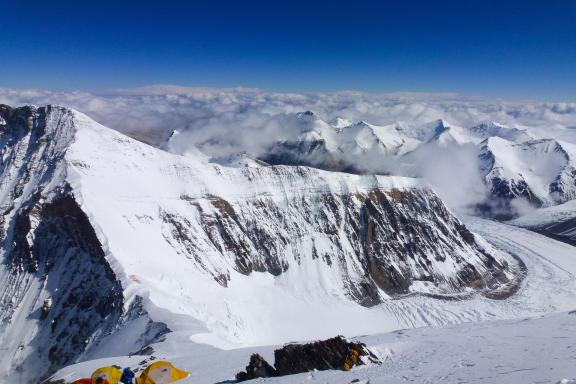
{"points": [[540, 163], [125, 195], [547, 216], [126, 187], [340, 122], [506, 352], [475, 344], [486, 130], [345, 139]]}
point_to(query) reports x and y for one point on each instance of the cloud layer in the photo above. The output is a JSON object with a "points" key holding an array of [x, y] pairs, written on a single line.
{"points": [[244, 119], [228, 121]]}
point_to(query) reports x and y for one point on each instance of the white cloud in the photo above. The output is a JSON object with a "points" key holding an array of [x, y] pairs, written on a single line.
{"points": [[227, 114], [226, 121]]}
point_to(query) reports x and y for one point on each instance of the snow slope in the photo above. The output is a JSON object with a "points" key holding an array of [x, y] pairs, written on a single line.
{"points": [[104, 237], [558, 221], [486, 130], [541, 171], [364, 147], [496, 351], [506, 352], [518, 171], [547, 216]]}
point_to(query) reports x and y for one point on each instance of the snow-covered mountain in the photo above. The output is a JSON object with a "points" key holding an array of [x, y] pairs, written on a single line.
{"points": [[103, 235], [558, 221], [541, 172], [347, 145], [484, 131], [516, 168], [344, 146]]}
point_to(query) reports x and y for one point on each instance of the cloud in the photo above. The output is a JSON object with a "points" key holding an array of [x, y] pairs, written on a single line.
{"points": [[452, 171], [229, 121], [230, 113]]}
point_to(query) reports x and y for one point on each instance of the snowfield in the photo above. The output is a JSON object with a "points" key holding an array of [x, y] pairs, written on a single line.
{"points": [[539, 350], [558, 221], [547, 216], [537, 344]]}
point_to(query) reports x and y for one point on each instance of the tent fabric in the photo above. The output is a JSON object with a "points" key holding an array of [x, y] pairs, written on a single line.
{"points": [[161, 372], [88, 381], [111, 374]]}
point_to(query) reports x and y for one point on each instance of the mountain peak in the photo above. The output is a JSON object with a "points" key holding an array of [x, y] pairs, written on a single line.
{"points": [[340, 122], [306, 115]]}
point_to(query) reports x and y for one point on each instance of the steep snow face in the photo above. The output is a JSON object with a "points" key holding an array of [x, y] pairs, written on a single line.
{"points": [[363, 238], [57, 292], [342, 146], [512, 171], [540, 171], [102, 233], [443, 133], [484, 131]]}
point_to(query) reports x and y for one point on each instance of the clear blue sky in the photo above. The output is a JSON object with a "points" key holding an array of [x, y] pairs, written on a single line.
{"points": [[517, 49]]}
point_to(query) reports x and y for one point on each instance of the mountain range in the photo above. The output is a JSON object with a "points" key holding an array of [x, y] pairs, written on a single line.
{"points": [[108, 239], [517, 169]]}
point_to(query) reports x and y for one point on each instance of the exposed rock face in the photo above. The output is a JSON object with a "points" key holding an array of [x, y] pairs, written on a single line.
{"points": [[257, 367], [321, 355], [397, 237], [56, 245], [58, 294], [334, 353]]}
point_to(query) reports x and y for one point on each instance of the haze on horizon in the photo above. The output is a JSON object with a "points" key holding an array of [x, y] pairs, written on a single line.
{"points": [[516, 50]]}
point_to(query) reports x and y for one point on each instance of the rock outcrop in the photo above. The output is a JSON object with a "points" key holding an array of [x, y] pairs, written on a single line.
{"points": [[334, 353]]}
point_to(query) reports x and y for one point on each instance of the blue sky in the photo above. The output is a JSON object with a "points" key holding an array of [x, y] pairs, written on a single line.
{"points": [[509, 49]]}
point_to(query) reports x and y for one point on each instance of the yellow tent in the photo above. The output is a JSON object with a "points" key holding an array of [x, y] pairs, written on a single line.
{"points": [[161, 372], [111, 374]]}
